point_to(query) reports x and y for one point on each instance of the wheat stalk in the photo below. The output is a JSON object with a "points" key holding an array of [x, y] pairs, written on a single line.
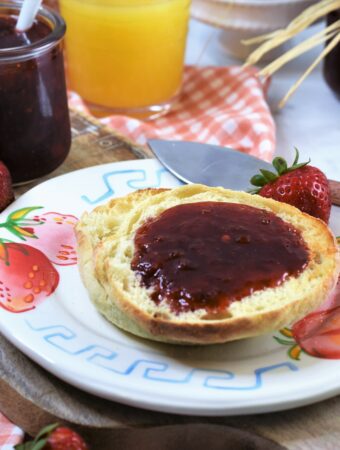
{"points": [[301, 48], [335, 41], [274, 39]]}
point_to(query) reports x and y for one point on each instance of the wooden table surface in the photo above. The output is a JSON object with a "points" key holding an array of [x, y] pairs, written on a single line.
{"points": [[311, 427]]}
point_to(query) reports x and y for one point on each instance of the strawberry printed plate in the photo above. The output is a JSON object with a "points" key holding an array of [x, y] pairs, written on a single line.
{"points": [[45, 312]]}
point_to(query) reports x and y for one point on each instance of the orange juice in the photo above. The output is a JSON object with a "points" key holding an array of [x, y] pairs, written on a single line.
{"points": [[126, 54]]}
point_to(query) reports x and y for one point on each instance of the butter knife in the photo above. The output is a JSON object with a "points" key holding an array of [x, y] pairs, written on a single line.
{"points": [[194, 162]]}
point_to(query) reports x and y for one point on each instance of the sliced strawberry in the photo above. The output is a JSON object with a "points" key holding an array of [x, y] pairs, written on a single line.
{"points": [[300, 185], [27, 277], [318, 334]]}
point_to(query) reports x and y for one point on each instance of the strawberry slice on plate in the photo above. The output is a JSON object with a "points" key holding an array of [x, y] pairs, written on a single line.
{"points": [[27, 277], [318, 334]]}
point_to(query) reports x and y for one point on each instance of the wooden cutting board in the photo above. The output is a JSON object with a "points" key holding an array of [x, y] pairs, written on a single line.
{"points": [[32, 397], [92, 144]]}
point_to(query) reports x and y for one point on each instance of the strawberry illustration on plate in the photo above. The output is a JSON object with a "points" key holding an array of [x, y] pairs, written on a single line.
{"points": [[56, 237], [27, 277], [51, 232]]}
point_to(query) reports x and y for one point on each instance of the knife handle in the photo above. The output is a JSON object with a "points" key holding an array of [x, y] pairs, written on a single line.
{"points": [[335, 191]]}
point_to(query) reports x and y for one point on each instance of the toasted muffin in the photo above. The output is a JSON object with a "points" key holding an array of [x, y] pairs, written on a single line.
{"points": [[142, 292]]}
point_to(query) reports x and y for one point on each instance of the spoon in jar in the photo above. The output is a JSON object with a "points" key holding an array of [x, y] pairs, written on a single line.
{"points": [[27, 14]]}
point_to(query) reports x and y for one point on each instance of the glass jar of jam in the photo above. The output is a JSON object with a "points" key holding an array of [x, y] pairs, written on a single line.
{"points": [[35, 134], [331, 67]]}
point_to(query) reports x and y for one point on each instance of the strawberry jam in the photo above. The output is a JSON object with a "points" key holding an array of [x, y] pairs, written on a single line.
{"points": [[34, 120], [10, 38], [210, 254]]}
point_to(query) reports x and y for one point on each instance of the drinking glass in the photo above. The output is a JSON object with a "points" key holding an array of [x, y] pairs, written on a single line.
{"points": [[126, 56]]}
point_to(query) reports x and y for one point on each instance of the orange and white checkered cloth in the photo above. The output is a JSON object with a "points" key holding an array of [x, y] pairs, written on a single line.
{"points": [[218, 105], [10, 435]]}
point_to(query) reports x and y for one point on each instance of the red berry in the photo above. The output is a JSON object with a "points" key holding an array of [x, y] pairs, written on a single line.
{"points": [[300, 185], [63, 438], [6, 190], [305, 188], [318, 334], [54, 437]]}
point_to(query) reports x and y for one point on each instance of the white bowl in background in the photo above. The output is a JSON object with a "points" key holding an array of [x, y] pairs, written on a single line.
{"points": [[243, 19]]}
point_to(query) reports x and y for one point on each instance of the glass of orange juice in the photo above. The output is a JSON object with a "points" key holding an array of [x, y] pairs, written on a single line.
{"points": [[126, 56]]}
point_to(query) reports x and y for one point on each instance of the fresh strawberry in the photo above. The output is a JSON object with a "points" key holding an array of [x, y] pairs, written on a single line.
{"points": [[6, 190], [300, 185], [63, 438], [54, 437], [27, 277]]}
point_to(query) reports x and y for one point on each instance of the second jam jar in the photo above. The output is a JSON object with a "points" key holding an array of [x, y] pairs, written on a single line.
{"points": [[35, 134]]}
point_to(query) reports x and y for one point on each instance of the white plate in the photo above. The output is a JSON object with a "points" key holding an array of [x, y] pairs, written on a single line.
{"points": [[67, 336]]}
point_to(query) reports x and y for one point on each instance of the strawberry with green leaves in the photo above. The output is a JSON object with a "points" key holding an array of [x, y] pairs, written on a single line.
{"points": [[300, 185], [55, 437]]}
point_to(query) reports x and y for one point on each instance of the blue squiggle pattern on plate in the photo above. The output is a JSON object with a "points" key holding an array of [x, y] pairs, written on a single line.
{"points": [[139, 179], [67, 341]]}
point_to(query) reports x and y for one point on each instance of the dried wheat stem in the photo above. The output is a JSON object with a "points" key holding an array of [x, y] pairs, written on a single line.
{"points": [[301, 22], [306, 18], [301, 48], [334, 42]]}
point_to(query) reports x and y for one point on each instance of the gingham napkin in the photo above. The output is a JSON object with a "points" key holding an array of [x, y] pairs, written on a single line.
{"points": [[218, 105]]}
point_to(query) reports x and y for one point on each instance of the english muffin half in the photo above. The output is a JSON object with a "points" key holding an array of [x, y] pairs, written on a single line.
{"points": [[203, 265]]}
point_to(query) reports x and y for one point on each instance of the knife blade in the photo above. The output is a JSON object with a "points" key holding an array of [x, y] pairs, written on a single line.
{"points": [[207, 164], [194, 162]]}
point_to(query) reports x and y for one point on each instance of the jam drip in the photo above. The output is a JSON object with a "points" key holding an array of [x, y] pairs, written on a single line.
{"points": [[210, 254]]}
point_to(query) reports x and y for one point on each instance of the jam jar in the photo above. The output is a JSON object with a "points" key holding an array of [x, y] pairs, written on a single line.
{"points": [[35, 134]]}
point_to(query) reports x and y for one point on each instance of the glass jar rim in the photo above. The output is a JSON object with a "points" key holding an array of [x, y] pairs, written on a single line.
{"points": [[56, 34]]}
